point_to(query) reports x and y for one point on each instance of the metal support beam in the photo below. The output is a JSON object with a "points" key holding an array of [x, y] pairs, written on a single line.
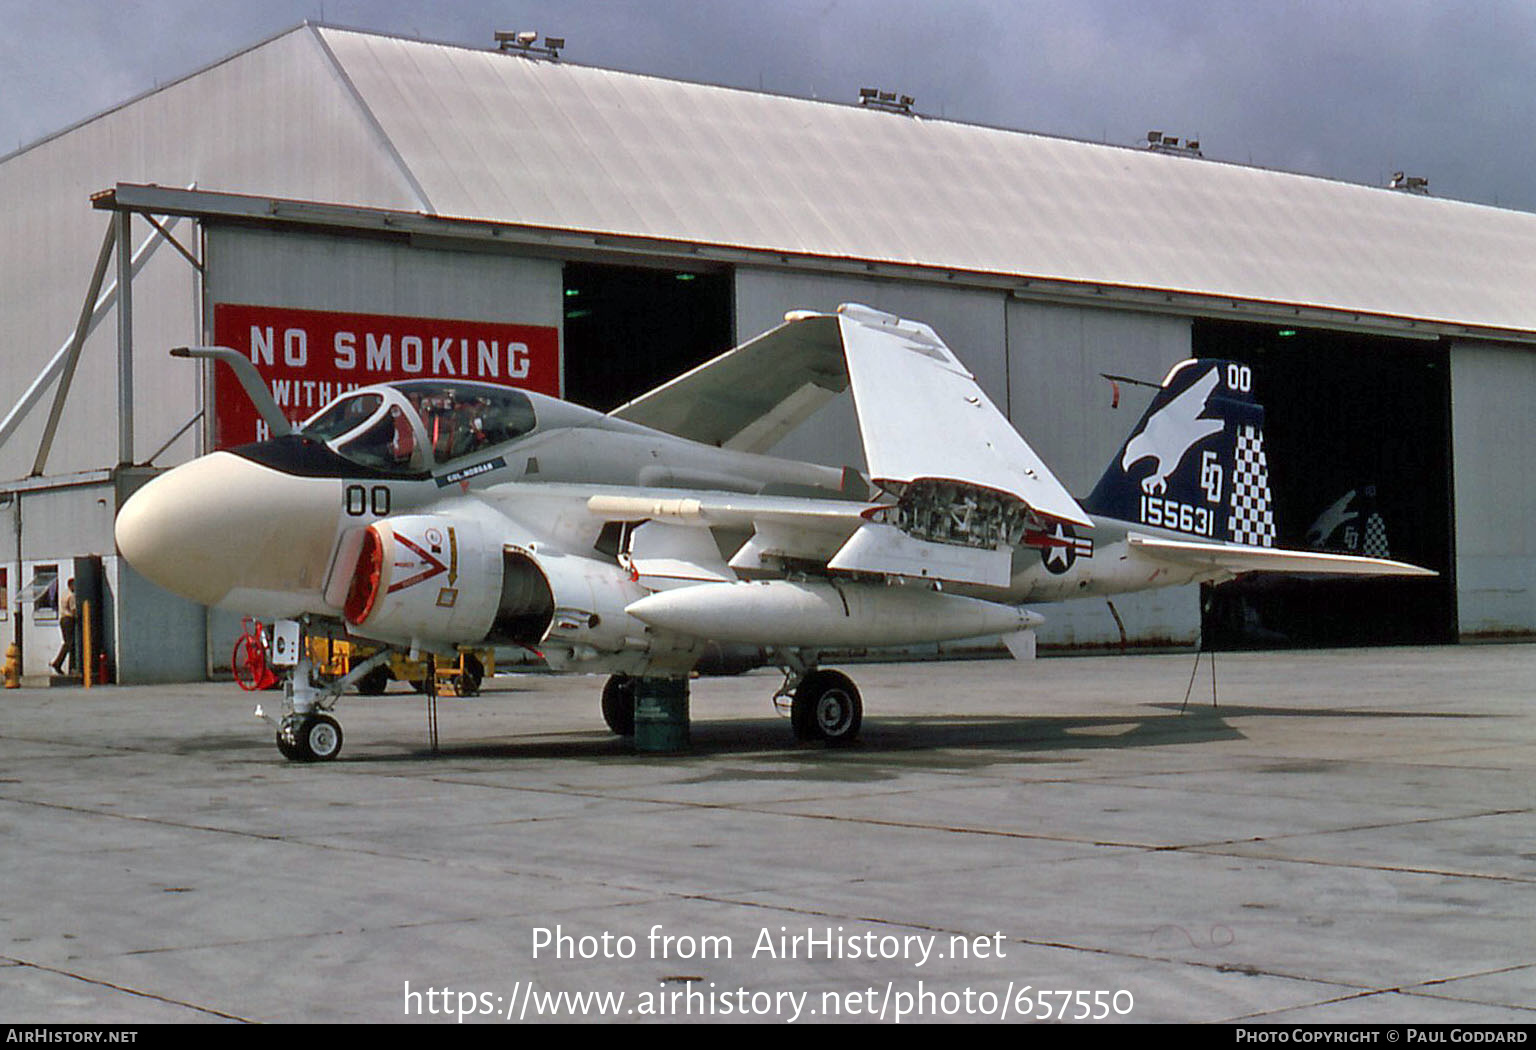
{"points": [[104, 301], [165, 232], [72, 351], [124, 341], [188, 425]]}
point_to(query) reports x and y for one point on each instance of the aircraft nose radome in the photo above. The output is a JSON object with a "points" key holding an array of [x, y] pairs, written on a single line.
{"points": [[223, 527]]}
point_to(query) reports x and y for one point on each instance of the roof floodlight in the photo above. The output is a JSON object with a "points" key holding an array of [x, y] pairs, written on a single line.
{"points": [[554, 42], [1154, 137], [890, 101], [526, 37]]}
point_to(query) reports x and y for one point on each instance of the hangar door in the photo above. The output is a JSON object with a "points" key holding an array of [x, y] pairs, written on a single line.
{"points": [[1357, 435], [628, 329]]}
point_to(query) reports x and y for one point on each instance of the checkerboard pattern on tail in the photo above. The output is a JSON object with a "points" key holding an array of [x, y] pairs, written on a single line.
{"points": [[1253, 515]]}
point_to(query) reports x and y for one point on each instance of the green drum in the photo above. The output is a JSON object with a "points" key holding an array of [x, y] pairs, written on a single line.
{"points": [[661, 714]]}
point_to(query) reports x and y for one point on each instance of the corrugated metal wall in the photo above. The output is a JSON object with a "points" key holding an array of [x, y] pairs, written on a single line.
{"points": [[316, 272], [1493, 392]]}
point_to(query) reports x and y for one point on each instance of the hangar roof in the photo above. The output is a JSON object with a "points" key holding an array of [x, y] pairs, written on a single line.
{"points": [[497, 136], [454, 132]]}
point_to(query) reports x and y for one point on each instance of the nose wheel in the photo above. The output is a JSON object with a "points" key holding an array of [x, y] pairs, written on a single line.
{"points": [[311, 738]]}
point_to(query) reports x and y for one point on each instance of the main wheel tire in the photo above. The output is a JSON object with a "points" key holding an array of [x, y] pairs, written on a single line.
{"points": [[375, 682], [319, 738], [619, 704], [827, 707]]}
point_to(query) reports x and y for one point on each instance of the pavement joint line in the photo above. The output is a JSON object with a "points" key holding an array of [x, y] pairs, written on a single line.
{"points": [[137, 992], [1212, 849], [1117, 953], [1385, 868], [1475, 974], [1406, 990], [1348, 829], [1355, 997], [289, 840], [1145, 957]]}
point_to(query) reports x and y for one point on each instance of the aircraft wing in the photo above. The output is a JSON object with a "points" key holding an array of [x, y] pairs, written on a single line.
{"points": [[1238, 559], [921, 413], [676, 539], [932, 437], [923, 416], [749, 398]]}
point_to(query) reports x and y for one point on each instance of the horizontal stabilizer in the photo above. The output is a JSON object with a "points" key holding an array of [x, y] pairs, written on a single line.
{"points": [[1237, 559]]}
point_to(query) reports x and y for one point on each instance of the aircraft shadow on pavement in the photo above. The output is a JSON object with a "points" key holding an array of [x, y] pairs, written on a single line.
{"points": [[940, 741]]}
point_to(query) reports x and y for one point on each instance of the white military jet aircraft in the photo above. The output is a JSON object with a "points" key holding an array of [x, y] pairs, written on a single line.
{"points": [[435, 514]]}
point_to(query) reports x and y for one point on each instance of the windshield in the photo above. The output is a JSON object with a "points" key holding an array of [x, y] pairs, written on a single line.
{"points": [[342, 416], [403, 428]]}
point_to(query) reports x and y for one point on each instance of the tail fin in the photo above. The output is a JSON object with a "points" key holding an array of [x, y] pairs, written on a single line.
{"points": [[1195, 463]]}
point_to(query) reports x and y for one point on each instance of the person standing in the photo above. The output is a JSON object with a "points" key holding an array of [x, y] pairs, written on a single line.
{"points": [[67, 629]]}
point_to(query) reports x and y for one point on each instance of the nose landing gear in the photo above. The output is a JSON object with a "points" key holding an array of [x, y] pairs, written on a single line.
{"points": [[309, 738], [307, 732]]}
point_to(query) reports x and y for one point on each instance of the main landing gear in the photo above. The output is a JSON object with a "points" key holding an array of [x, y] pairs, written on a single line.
{"points": [[619, 704], [824, 706]]}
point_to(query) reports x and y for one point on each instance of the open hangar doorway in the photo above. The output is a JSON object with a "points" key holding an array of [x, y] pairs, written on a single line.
{"points": [[1357, 434], [628, 329]]}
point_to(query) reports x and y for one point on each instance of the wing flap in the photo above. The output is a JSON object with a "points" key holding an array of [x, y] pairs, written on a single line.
{"points": [[886, 549]]}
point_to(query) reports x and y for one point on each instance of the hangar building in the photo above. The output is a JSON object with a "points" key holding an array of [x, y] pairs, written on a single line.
{"points": [[332, 201]]}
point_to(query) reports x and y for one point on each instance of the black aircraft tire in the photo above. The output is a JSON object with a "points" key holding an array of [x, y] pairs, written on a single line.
{"points": [[827, 707], [375, 682], [289, 751], [319, 739], [619, 704], [468, 681]]}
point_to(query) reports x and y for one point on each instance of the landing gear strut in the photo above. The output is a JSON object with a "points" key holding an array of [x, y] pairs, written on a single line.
{"points": [[307, 732]]}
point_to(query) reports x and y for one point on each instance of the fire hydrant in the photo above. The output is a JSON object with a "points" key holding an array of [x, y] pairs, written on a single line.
{"points": [[13, 666]]}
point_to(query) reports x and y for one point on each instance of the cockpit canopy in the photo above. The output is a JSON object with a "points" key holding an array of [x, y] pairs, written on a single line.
{"points": [[410, 427]]}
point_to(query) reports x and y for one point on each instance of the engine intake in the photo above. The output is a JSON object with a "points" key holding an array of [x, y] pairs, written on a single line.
{"points": [[452, 580]]}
